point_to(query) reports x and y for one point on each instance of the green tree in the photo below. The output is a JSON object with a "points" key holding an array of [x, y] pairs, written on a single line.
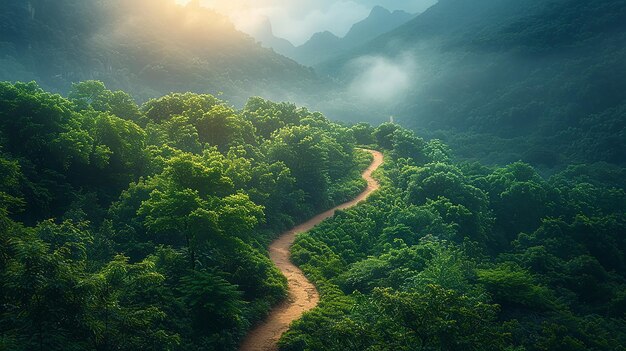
{"points": [[93, 94], [126, 142], [193, 106], [511, 285], [173, 216], [119, 314], [216, 309], [222, 127], [302, 149], [384, 135], [363, 133]]}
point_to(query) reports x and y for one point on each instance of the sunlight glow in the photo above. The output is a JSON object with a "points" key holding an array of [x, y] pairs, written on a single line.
{"points": [[298, 20]]}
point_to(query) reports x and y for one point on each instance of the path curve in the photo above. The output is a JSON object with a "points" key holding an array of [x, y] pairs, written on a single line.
{"points": [[302, 293]]}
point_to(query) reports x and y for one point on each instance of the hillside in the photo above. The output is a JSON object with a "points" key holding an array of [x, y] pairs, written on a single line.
{"points": [[507, 80], [149, 48], [318, 48], [325, 45], [265, 35], [379, 21], [126, 227], [455, 256], [134, 218]]}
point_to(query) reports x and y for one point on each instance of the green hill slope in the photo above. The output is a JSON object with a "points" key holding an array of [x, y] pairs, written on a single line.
{"points": [[506, 80], [149, 48]]}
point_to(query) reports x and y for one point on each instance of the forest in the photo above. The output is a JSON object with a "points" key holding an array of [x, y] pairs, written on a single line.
{"points": [[458, 256], [497, 80], [152, 153], [127, 227]]}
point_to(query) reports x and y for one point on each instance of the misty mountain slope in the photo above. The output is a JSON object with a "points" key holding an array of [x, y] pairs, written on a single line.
{"points": [[147, 47], [504, 80], [318, 48], [37, 38], [325, 45], [379, 21], [442, 24], [265, 35]]}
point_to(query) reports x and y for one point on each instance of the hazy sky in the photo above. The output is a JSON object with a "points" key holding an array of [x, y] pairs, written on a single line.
{"points": [[297, 20]]}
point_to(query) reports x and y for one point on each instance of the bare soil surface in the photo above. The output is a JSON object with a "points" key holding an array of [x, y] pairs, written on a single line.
{"points": [[303, 295]]}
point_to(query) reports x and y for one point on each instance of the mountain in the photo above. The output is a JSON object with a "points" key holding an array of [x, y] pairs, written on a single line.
{"points": [[318, 48], [380, 21], [127, 46], [503, 80], [265, 35], [324, 45]]}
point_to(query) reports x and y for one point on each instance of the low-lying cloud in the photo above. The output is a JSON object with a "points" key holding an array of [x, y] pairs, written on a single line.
{"points": [[383, 80]]}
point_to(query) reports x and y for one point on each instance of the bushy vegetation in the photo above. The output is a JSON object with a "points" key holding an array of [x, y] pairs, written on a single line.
{"points": [[126, 227], [459, 256], [145, 227]]}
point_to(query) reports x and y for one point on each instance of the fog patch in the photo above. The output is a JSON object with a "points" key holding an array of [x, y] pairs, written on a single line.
{"points": [[383, 80], [338, 18]]}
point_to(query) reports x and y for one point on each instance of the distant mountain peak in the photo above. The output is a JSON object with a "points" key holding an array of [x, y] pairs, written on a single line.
{"points": [[379, 10], [325, 35], [323, 45], [265, 27], [265, 35], [378, 22]]}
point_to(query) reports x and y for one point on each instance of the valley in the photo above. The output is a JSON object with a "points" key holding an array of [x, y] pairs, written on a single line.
{"points": [[302, 294], [181, 175]]}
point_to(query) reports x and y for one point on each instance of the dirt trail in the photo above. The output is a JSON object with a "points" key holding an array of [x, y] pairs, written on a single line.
{"points": [[302, 293]]}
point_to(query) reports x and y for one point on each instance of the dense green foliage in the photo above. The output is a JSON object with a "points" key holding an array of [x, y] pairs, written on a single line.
{"points": [[145, 227], [126, 227], [133, 227], [498, 80], [450, 256]]}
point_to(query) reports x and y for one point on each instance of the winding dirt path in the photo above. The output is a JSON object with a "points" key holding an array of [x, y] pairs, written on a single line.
{"points": [[302, 293]]}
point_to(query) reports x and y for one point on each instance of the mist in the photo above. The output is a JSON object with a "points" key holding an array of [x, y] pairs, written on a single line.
{"points": [[383, 80], [298, 20]]}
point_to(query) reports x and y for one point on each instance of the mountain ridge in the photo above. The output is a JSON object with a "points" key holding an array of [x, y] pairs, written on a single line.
{"points": [[324, 45], [521, 74], [125, 45]]}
